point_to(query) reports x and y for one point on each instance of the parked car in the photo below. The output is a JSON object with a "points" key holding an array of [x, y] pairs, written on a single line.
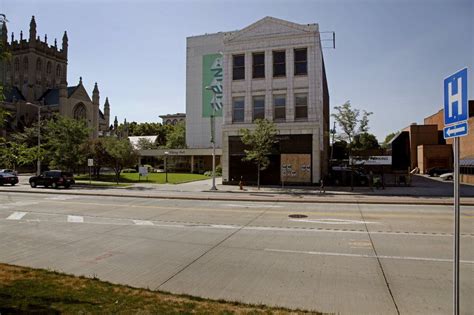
{"points": [[53, 179], [436, 171], [447, 176], [9, 171], [8, 178]]}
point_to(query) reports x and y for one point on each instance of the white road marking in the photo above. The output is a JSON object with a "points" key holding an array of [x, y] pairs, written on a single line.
{"points": [[142, 222], [61, 197], [332, 221], [364, 256], [16, 216], [251, 206], [75, 219]]}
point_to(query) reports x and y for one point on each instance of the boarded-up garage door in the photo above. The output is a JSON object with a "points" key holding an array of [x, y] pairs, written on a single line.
{"points": [[296, 168]]}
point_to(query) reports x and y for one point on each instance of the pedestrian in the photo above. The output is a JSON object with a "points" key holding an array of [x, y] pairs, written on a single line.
{"points": [[322, 189]]}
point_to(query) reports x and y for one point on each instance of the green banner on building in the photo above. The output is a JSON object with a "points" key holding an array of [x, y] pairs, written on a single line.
{"points": [[212, 77]]}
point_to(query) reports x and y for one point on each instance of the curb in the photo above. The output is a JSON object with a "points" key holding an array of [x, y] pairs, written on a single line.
{"points": [[445, 202]]}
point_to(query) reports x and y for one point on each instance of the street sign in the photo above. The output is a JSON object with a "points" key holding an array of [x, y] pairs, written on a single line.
{"points": [[457, 130], [455, 98], [90, 162]]}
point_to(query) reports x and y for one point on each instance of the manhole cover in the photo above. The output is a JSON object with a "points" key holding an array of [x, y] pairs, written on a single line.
{"points": [[297, 216]]}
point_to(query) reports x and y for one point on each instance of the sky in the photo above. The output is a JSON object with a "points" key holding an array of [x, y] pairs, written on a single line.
{"points": [[391, 57]]}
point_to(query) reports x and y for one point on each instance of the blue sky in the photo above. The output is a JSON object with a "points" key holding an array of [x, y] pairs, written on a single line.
{"points": [[391, 56]]}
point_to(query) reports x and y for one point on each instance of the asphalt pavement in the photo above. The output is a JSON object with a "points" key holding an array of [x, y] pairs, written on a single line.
{"points": [[345, 258]]}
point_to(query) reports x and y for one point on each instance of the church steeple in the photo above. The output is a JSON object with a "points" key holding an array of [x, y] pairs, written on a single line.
{"points": [[95, 95], [4, 32], [32, 29], [65, 42]]}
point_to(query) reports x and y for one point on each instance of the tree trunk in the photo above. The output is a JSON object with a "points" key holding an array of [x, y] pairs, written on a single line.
{"points": [[258, 176]]}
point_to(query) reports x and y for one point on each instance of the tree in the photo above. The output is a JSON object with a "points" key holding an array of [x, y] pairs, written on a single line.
{"points": [[120, 154], [389, 138], [63, 140], [365, 141], [95, 149], [13, 154], [176, 138], [260, 143], [352, 126], [146, 144]]}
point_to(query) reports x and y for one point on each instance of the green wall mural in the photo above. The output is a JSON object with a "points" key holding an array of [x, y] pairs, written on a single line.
{"points": [[212, 76]]}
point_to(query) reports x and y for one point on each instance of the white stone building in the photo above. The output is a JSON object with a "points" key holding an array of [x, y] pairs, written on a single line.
{"points": [[274, 69]]}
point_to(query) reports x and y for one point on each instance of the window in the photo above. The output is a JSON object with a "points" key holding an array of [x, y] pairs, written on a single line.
{"points": [[238, 67], [301, 106], [258, 69], [301, 61], [38, 64], [258, 107], [238, 107], [16, 66], [58, 71], [80, 112], [279, 104], [48, 67], [25, 64], [279, 64]]}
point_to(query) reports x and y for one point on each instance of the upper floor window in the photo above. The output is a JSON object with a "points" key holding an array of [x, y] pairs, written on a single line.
{"points": [[279, 105], [25, 64], [58, 71], [48, 68], [258, 65], [279, 64], [238, 108], [38, 64], [16, 66], [238, 67], [301, 106], [301, 61], [258, 107], [80, 112]]}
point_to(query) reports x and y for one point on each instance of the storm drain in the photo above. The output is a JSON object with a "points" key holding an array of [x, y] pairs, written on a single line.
{"points": [[297, 216]]}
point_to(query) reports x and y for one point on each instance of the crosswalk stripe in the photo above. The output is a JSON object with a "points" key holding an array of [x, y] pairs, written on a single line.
{"points": [[16, 216], [75, 219], [142, 222]]}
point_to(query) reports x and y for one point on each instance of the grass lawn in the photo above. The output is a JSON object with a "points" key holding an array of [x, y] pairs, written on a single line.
{"points": [[156, 178], [26, 290]]}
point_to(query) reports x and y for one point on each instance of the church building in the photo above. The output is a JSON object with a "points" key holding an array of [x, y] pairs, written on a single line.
{"points": [[36, 75]]}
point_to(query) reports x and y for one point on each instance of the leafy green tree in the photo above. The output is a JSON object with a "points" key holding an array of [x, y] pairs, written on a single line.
{"points": [[260, 143], [120, 154], [63, 140], [4, 56], [95, 149], [13, 154], [365, 141], [353, 122], [389, 138], [146, 144], [176, 138]]}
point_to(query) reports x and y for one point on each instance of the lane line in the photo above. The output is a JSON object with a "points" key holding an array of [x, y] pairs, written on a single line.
{"points": [[75, 219], [16, 215], [364, 256], [332, 221], [142, 222]]}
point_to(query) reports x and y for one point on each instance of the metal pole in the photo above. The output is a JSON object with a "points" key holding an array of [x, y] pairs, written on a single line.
{"points": [[213, 140], [456, 227], [38, 165], [166, 168]]}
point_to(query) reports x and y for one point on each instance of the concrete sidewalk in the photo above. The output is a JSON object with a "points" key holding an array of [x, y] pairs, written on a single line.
{"points": [[423, 191]]}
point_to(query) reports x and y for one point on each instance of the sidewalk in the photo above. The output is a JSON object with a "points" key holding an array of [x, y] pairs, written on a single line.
{"points": [[424, 191]]}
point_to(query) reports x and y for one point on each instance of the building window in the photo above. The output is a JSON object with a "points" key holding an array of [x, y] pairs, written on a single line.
{"points": [[279, 64], [80, 112], [301, 106], [16, 66], [48, 67], [58, 71], [25, 64], [258, 107], [38, 64], [279, 105], [238, 67], [258, 65], [238, 108], [301, 61]]}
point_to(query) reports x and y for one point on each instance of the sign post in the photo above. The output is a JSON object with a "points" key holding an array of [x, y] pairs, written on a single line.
{"points": [[90, 163], [456, 113]]}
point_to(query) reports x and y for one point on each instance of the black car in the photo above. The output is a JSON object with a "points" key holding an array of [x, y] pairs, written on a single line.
{"points": [[53, 179], [436, 171], [7, 178]]}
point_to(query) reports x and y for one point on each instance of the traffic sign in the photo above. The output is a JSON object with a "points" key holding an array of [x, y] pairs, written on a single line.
{"points": [[455, 98], [457, 130]]}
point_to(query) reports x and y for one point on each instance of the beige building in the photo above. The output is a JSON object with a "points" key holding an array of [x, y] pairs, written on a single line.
{"points": [[274, 69], [173, 119], [37, 74]]}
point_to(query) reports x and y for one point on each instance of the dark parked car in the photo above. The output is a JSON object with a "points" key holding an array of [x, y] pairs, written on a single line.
{"points": [[436, 171], [53, 179], [7, 178]]}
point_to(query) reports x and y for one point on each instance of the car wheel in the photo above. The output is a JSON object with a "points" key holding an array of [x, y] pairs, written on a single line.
{"points": [[450, 178], [54, 185], [33, 184], [435, 174]]}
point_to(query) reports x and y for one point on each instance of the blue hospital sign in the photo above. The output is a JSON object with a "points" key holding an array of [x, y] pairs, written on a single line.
{"points": [[455, 98]]}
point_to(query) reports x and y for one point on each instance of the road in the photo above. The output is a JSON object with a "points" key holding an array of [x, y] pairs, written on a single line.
{"points": [[342, 258]]}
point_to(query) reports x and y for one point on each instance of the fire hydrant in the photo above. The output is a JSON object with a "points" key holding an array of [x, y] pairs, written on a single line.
{"points": [[241, 184]]}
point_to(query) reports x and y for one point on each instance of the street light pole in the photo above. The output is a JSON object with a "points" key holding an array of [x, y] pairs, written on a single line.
{"points": [[213, 140], [166, 166], [38, 162]]}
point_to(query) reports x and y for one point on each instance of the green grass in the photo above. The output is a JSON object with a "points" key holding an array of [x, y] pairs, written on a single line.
{"points": [[25, 290], [155, 178]]}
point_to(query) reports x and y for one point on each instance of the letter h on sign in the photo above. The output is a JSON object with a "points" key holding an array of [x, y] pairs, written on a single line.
{"points": [[455, 98]]}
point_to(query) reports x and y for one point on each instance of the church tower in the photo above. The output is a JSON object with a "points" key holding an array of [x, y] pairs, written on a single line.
{"points": [[95, 113]]}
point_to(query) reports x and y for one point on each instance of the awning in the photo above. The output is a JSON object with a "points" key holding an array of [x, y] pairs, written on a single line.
{"points": [[467, 161]]}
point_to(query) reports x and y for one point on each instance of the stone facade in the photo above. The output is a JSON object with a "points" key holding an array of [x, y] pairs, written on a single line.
{"points": [[268, 36], [173, 119], [36, 75]]}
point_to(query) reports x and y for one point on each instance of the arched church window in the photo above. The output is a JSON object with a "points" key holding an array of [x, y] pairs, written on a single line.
{"points": [[16, 66], [48, 67], [38, 64], [58, 71], [25, 64], [80, 112]]}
